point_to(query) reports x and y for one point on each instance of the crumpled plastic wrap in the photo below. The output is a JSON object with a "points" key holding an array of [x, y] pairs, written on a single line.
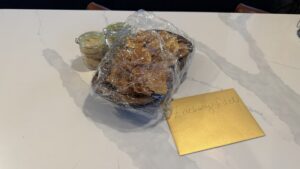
{"points": [[145, 64]]}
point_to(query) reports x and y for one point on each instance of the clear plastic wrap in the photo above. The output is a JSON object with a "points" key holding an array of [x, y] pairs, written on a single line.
{"points": [[144, 66]]}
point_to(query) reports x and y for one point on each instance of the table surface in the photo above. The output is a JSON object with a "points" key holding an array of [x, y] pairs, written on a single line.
{"points": [[47, 119]]}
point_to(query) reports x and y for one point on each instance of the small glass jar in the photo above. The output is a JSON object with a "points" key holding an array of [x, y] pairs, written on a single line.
{"points": [[113, 31], [93, 48]]}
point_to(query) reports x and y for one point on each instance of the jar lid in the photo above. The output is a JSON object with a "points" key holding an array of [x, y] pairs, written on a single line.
{"points": [[91, 39]]}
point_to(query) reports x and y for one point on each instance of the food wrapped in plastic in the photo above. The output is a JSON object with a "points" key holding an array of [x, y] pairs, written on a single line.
{"points": [[145, 65]]}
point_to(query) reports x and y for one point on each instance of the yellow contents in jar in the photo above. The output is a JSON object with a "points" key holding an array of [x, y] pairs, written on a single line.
{"points": [[93, 48]]}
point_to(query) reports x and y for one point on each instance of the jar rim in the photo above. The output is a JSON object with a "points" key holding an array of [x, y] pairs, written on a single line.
{"points": [[86, 35]]}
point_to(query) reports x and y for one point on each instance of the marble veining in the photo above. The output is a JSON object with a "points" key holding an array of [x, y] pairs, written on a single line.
{"points": [[284, 65], [280, 98], [105, 18], [56, 117], [40, 27], [148, 147], [123, 130]]}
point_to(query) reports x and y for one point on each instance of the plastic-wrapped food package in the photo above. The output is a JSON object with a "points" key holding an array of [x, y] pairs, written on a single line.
{"points": [[144, 66]]}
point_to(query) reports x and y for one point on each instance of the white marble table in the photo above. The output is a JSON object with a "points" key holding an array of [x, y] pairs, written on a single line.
{"points": [[48, 121]]}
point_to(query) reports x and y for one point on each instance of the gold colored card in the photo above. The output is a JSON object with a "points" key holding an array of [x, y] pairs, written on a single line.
{"points": [[211, 120]]}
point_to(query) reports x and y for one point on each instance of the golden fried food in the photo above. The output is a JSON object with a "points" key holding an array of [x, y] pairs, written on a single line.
{"points": [[143, 66]]}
